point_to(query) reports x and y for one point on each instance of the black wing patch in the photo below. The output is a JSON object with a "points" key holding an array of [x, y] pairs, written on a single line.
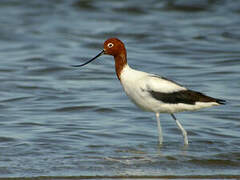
{"points": [[184, 96]]}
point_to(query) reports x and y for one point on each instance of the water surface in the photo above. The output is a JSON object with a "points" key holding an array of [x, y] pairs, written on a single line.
{"points": [[56, 120]]}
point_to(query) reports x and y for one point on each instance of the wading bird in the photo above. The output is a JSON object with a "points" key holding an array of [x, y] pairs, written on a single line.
{"points": [[151, 92]]}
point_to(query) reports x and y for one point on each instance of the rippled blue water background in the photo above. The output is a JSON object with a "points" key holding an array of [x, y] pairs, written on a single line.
{"points": [[56, 120]]}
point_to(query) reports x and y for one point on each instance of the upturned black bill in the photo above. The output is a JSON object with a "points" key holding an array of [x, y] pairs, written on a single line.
{"points": [[101, 53]]}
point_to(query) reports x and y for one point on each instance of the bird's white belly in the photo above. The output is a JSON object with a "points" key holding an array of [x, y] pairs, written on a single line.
{"points": [[147, 103], [136, 84], [142, 99]]}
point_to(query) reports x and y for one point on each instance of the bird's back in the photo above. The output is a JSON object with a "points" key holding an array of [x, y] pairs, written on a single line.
{"points": [[157, 94]]}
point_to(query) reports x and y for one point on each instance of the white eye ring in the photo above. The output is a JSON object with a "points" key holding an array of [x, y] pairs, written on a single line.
{"points": [[110, 45]]}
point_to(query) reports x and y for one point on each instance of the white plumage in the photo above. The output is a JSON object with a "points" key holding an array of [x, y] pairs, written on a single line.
{"points": [[154, 93], [137, 85]]}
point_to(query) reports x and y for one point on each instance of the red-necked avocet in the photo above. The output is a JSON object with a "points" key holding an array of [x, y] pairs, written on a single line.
{"points": [[154, 93]]}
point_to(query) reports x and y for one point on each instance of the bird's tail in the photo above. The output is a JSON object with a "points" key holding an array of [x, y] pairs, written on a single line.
{"points": [[220, 101]]}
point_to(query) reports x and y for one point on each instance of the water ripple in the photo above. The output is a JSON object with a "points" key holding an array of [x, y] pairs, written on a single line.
{"points": [[57, 120]]}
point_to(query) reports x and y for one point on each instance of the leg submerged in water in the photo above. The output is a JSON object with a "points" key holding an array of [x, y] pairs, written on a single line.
{"points": [[160, 137], [184, 133]]}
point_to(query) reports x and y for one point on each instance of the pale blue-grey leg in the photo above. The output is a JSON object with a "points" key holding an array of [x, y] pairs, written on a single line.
{"points": [[184, 133], [160, 137]]}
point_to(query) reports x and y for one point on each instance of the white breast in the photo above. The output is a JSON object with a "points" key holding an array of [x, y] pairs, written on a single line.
{"points": [[137, 85]]}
